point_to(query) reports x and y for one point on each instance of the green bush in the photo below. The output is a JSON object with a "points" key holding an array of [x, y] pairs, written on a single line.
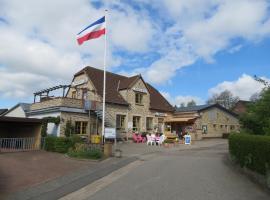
{"points": [[81, 151], [251, 151], [61, 144]]}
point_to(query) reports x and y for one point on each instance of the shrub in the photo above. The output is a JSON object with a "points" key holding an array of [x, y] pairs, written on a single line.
{"points": [[61, 144], [251, 151], [82, 151]]}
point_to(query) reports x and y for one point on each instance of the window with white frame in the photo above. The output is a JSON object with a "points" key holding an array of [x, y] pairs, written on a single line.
{"points": [[149, 123], [138, 98], [120, 122], [136, 123], [80, 127]]}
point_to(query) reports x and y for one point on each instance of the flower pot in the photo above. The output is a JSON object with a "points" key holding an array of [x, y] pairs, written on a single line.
{"points": [[118, 153]]}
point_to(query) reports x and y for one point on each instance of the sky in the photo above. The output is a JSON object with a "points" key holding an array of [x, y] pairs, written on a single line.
{"points": [[188, 49]]}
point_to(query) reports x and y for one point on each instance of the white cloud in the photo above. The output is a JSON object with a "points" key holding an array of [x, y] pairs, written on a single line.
{"points": [[20, 85], [243, 87], [178, 100], [206, 27], [39, 40]]}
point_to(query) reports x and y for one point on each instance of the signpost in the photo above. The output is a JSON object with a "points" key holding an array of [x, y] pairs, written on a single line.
{"points": [[187, 139], [110, 133]]}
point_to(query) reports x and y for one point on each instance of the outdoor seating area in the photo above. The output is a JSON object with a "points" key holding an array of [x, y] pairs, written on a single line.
{"points": [[156, 139]]}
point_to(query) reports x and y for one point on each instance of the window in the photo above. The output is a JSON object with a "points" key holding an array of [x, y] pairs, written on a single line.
{"points": [[74, 95], [214, 126], [204, 129], [136, 123], [232, 127], [221, 126], [149, 123], [80, 127], [120, 122], [138, 98]]}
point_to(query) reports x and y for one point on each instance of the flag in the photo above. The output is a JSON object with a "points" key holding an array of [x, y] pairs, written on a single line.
{"points": [[92, 31]]}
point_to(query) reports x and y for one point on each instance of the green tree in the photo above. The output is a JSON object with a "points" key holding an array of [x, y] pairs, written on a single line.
{"points": [[69, 129], [257, 118], [191, 103]]}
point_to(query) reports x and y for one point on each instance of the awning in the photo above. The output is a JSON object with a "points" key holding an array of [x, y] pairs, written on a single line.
{"points": [[178, 119]]}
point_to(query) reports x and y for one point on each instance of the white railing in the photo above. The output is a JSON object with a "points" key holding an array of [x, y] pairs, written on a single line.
{"points": [[19, 144]]}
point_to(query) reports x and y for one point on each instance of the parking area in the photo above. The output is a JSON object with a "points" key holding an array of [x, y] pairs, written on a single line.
{"points": [[23, 169]]}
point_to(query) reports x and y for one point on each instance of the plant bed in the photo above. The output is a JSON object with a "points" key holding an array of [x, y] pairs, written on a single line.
{"points": [[82, 151]]}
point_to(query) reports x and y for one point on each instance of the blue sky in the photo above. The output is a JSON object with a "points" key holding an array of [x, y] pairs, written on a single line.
{"points": [[187, 49]]}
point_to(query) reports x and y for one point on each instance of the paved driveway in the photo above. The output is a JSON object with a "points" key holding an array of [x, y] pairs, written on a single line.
{"points": [[23, 169], [189, 174]]}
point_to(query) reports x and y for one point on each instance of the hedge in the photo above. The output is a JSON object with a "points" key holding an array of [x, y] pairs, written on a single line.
{"points": [[251, 151], [60, 144]]}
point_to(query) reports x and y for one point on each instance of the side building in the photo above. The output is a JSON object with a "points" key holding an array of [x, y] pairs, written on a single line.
{"points": [[131, 104], [204, 121]]}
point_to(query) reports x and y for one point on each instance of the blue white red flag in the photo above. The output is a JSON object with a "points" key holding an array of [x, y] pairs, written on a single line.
{"points": [[92, 31]]}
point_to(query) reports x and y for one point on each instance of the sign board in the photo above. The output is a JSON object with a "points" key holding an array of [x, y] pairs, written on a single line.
{"points": [[158, 114], [187, 139], [87, 105], [110, 133], [130, 125], [79, 82], [140, 90]]}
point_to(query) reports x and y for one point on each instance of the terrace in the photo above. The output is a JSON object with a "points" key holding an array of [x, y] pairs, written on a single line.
{"points": [[47, 100]]}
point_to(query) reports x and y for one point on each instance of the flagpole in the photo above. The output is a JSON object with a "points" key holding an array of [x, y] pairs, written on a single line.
{"points": [[104, 79]]}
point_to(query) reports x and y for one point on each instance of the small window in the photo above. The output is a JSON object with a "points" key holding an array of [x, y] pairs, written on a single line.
{"points": [[138, 98], [232, 127], [74, 95], [80, 127], [214, 126], [120, 122], [221, 126], [136, 123], [204, 129], [149, 123]]}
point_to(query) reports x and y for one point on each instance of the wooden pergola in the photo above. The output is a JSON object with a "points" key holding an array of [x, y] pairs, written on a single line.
{"points": [[45, 92]]}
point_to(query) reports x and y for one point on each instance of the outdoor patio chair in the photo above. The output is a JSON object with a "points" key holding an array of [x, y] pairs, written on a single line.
{"points": [[150, 140], [140, 138], [161, 139], [136, 138]]}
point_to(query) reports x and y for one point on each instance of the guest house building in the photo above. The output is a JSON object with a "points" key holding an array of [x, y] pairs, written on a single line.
{"points": [[131, 104]]}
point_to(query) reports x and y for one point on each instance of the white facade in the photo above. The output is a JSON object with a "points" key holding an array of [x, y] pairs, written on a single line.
{"points": [[52, 128], [17, 112]]}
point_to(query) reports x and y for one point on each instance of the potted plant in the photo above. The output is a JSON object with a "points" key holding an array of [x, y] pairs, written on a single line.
{"points": [[118, 153]]}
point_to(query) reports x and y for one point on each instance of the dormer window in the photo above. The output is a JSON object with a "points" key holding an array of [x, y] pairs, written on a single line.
{"points": [[138, 98]]}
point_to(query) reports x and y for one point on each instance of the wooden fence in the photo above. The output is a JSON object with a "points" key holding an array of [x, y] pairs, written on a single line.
{"points": [[18, 144]]}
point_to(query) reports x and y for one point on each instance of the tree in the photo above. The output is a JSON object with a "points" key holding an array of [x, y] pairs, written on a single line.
{"points": [[255, 97], [69, 129], [182, 105], [225, 99], [191, 103], [257, 118]]}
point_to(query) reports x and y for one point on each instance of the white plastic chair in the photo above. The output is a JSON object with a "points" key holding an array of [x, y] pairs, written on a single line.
{"points": [[149, 140], [161, 139]]}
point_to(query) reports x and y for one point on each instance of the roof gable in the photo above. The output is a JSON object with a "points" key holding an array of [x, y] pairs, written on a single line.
{"points": [[116, 82], [204, 107]]}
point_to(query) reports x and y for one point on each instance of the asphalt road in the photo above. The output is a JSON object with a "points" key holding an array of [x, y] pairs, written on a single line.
{"points": [[195, 174]]}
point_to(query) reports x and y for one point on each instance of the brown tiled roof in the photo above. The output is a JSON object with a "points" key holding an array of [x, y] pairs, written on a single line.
{"points": [[157, 101], [116, 82]]}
